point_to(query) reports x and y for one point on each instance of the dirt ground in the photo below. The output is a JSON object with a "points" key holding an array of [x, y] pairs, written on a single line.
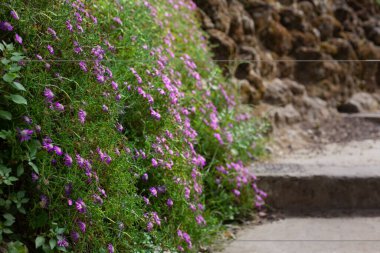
{"points": [[340, 130]]}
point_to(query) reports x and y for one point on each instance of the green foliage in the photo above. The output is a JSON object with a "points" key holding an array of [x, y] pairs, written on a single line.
{"points": [[105, 160], [12, 155]]}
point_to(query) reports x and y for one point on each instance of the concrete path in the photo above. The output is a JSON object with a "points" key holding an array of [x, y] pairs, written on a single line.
{"points": [[341, 177], [310, 235]]}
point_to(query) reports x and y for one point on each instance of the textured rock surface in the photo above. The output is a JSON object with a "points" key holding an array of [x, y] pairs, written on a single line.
{"points": [[308, 42]]}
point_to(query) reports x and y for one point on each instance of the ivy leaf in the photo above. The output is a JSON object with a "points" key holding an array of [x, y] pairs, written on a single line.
{"points": [[40, 240], [18, 86], [5, 115], [18, 99]]}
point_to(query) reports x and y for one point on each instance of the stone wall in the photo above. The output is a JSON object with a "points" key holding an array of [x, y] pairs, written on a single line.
{"points": [[292, 54]]}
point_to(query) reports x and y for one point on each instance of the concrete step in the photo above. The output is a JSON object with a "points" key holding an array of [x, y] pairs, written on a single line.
{"points": [[340, 177], [312, 235]]}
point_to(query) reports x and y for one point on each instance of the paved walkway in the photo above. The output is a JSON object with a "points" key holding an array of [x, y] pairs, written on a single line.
{"points": [[310, 235]]}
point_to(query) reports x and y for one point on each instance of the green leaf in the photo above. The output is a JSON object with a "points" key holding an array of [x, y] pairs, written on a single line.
{"points": [[9, 47], [18, 99], [5, 134], [18, 86], [34, 167], [40, 240], [7, 231], [14, 68], [17, 247], [9, 216], [52, 243], [17, 58], [9, 77], [5, 61], [20, 170], [33, 146], [5, 115], [9, 219], [2, 47]]}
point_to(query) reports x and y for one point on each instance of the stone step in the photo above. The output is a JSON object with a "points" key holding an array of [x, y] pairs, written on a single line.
{"points": [[342, 178]]}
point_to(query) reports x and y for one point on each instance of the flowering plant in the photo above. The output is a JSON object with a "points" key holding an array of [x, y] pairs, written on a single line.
{"points": [[137, 141]]}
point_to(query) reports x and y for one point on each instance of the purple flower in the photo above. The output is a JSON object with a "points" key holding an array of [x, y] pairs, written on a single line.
{"points": [[44, 201], [68, 160], [74, 236], [58, 150], [149, 226], [180, 248], [37, 128], [18, 39], [6, 26], [100, 78], [50, 49], [39, 57], [82, 226], [94, 20], [187, 192], [161, 189], [52, 32], [146, 200], [155, 114], [219, 138], [110, 248], [14, 15], [27, 120], [62, 242], [59, 106], [153, 191], [154, 163], [169, 202], [98, 52], [83, 66], [69, 25], [104, 108], [25, 134], [114, 84], [49, 95], [117, 20], [119, 127], [236, 192], [80, 206], [68, 189], [118, 97], [34, 177], [200, 220], [144, 177], [82, 116]]}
